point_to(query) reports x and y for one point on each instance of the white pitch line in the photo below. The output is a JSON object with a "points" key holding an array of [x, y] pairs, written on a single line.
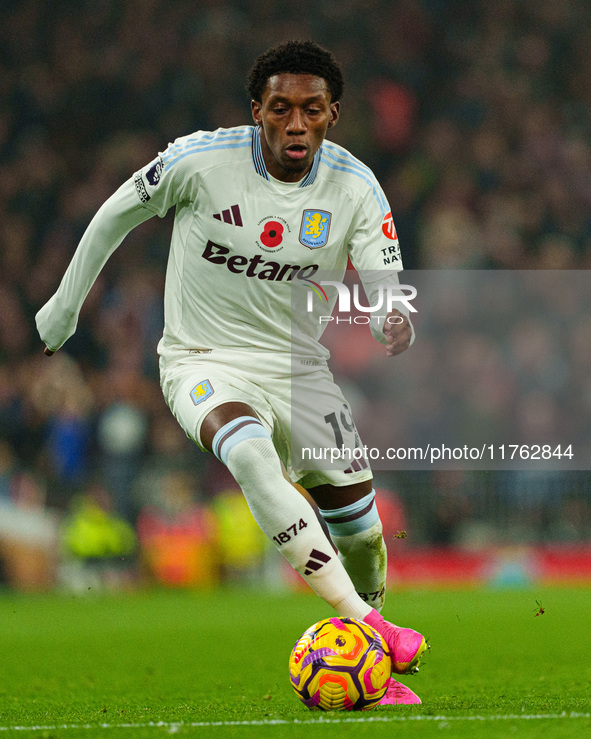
{"points": [[284, 722]]}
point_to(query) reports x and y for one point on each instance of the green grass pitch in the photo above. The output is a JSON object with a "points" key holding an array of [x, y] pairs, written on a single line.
{"points": [[214, 664]]}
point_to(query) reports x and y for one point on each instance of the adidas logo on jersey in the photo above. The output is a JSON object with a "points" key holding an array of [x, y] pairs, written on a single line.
{"points": [[230, 215], [257, 266]]}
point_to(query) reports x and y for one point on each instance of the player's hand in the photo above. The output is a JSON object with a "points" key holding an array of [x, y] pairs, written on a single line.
{"points": [[398, 333], [47, 351]]}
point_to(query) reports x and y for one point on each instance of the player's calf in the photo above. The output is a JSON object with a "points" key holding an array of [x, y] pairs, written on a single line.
{"points": [[356, 531], [284, 515]]}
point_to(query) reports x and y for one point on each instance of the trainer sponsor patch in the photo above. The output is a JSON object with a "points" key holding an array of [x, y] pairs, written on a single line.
{"points": [[388, 227], [202, 391]]}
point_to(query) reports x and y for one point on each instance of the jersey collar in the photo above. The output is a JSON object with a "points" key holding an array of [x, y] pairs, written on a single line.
{"points": [[259, 162]]}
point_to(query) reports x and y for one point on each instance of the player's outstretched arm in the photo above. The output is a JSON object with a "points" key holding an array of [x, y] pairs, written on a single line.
{"points": [[57, 319]]}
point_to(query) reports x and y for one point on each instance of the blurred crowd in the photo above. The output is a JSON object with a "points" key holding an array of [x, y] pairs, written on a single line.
{"points": [[474, 116]]}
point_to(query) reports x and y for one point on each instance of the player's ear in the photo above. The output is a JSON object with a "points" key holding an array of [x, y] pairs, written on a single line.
{"points": [[335, 111], [256, 107]]}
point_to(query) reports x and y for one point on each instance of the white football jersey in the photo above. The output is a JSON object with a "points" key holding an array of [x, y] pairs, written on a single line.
{"points": [[242, 239]]}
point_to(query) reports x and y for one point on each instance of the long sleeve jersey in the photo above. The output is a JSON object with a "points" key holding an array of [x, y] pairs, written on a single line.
{"points": [[241, 242]]}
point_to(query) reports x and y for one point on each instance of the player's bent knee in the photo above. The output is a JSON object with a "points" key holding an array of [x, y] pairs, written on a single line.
{"points": [[245, 446], [353, 519], [236, 431], [219, 417]]}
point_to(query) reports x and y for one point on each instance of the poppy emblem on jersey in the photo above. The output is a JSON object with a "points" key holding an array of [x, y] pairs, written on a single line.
{"points": [[202, 391], [388, 227], [272, 236], [315, 228]]}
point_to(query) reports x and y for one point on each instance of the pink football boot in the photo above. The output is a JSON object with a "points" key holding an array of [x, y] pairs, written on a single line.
{"points": [[405, 645], [398, 694]]}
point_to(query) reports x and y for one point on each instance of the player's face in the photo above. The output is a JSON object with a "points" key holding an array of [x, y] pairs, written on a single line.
{"points": [[294, 115]]}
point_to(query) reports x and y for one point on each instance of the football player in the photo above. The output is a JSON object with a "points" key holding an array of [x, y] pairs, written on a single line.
{"points": [[260, 210]]}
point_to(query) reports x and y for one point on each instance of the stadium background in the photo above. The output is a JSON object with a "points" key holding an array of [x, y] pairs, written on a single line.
{"points": [[475, 118]]}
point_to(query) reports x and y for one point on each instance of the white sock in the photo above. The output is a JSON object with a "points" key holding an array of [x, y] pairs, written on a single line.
{"points": [[364, 557], [356, 531], [285, 515]]}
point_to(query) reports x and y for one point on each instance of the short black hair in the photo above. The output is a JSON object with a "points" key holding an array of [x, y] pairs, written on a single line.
{"points": [[295, 57]]}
